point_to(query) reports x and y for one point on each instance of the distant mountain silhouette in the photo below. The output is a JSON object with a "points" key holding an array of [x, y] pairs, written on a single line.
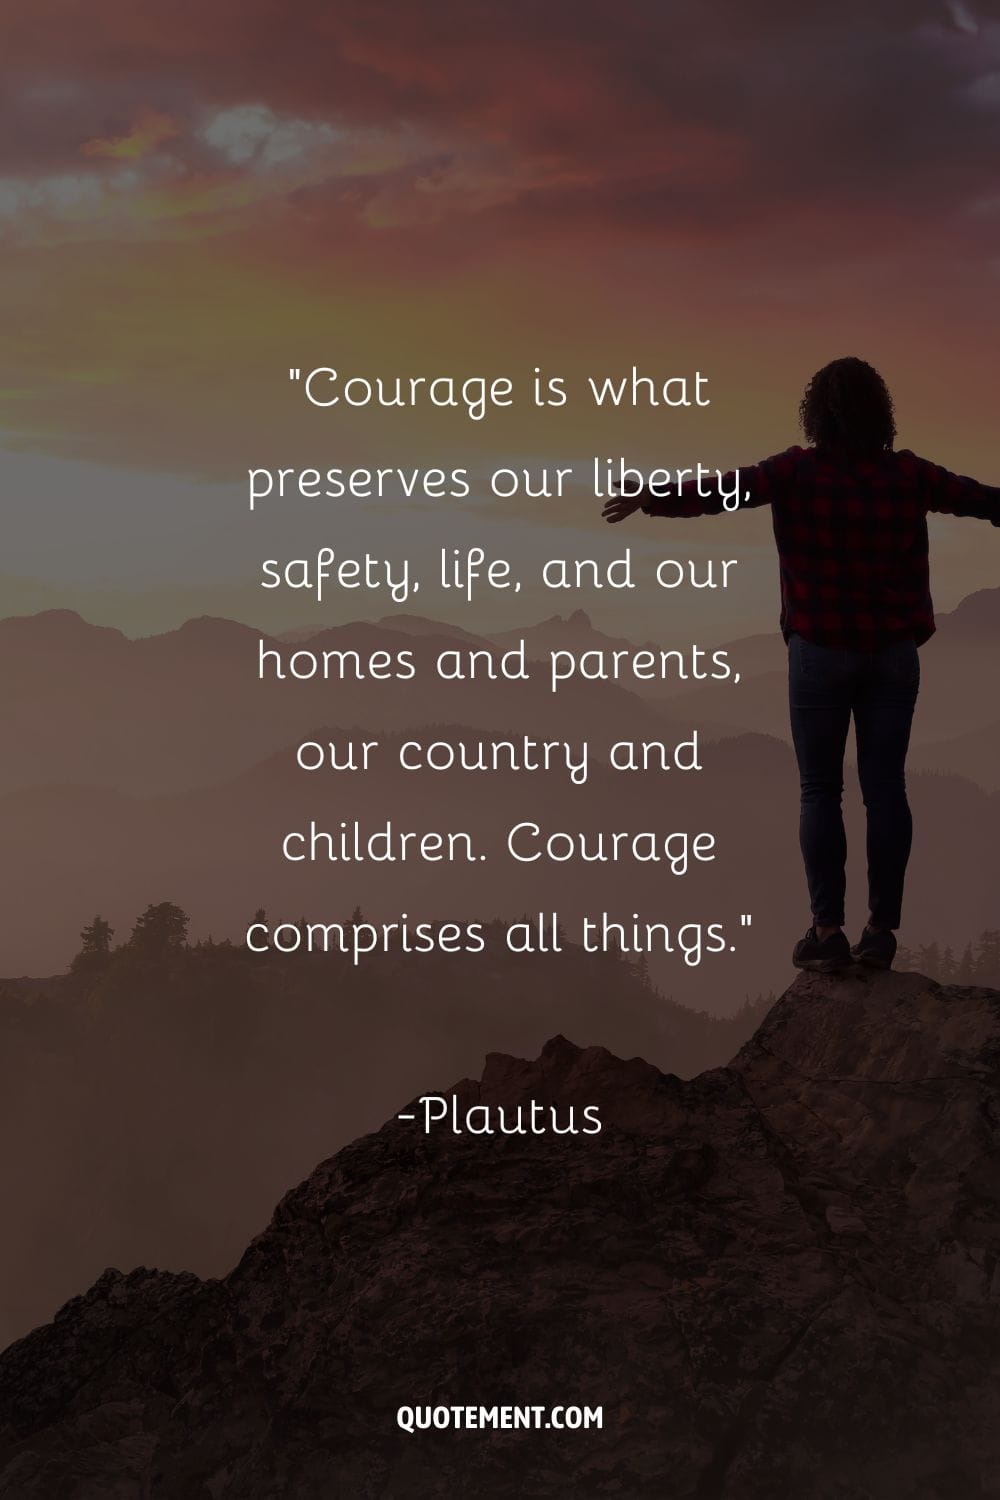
{"points": [[59, 630], [407, 624], [206, 633], [574, 631], [164, 763], [217, 849], [187, 708], [958, 659], [777, 1279], [419, 625], [975, 755], [154, 1110], [978, 615]]}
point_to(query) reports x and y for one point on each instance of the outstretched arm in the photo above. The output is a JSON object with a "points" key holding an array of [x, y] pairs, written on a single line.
{"points": [[757, 485], [955, 495]]}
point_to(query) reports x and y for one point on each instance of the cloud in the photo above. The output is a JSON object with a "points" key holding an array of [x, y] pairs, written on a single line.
{"points": [[674, 116], [150, 130], [469, 176], [252, 134], [962, 17], [693, 120]]}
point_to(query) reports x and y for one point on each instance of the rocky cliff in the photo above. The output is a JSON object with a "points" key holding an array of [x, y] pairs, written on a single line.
{"points": [[779, 1279]]}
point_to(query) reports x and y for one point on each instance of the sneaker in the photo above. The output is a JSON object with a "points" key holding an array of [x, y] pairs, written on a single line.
{"points": [[876, 948], [824, 957]]}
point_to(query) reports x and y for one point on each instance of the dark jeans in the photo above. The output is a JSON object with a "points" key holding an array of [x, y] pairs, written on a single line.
{"points": [[825, 686]]}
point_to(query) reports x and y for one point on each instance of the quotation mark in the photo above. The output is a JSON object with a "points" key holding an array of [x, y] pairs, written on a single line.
{"points": [[745, 921], [295, 374]]}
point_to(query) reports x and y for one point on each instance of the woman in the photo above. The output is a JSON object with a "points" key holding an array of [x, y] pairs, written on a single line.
{"points": [[850, 522]]}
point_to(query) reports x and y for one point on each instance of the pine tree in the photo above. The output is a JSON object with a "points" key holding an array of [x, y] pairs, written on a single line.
{"points": [[640, 968], [161, 930], [988, 958], [905, 958], [95, 950], [928, 960]]}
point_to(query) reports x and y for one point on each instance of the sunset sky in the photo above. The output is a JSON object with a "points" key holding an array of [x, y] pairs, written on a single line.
{"points": [[195, 197]]}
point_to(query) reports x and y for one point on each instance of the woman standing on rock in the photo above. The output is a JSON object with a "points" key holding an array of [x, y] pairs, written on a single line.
{"points": [[850, 523]]}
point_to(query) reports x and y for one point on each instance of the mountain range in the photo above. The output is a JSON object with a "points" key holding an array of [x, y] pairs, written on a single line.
{"points": [[164, 767]]}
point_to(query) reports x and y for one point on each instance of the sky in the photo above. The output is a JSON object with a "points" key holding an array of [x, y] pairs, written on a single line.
{"points": [[195, 198]]}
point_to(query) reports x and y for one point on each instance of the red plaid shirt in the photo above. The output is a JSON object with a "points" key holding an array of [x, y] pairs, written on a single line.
{"points": [[851, 536]]}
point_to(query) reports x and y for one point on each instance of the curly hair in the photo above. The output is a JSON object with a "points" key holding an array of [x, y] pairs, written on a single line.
{"points": [[847, 407]]}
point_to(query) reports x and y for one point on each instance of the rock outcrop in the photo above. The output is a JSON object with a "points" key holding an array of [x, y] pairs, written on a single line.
{"points": [[779, 1279]]}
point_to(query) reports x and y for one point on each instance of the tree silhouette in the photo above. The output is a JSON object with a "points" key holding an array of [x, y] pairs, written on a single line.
{"points": [[162, 929], [988, 958], [95, 947], [928, 960], [979, 963]]}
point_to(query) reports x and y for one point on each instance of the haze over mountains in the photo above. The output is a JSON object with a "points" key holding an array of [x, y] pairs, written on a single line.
{"points": [[162, 768], [152, 1107], [777, 1279]]}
